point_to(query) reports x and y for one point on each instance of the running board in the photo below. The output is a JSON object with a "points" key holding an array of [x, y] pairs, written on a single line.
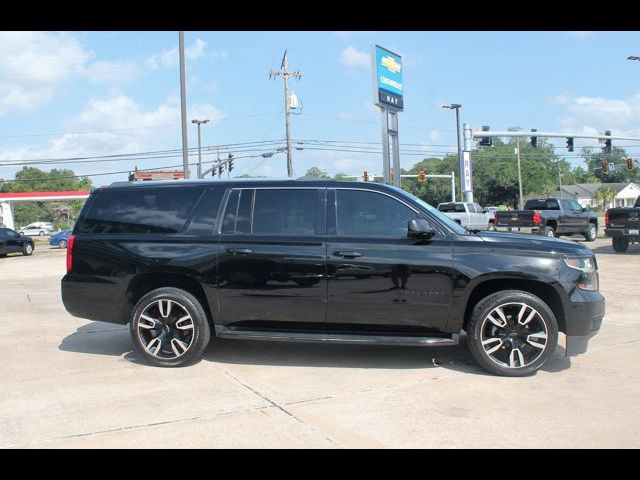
{"points": [[324, 337]]}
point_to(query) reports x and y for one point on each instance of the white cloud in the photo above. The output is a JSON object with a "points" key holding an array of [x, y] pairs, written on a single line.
{"points": [[579, 34], [34, 66], [598, 113], [116, 124], [113, 72], [353, 58], [170, 58]]}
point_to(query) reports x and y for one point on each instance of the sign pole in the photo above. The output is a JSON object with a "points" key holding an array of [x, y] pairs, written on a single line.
{"points": [[395, 144], [466, 167], [386, 169]]}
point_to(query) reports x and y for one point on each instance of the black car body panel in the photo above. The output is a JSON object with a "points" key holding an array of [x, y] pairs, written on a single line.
{"points": [[322, 277]]}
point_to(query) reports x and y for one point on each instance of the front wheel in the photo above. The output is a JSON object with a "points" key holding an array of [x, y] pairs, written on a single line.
{"points": [[620, 244], [27, 248], [41, 233], [512, 333], [591, 234], [169, 327], [62, 244], [492, 227], [549, 232]]}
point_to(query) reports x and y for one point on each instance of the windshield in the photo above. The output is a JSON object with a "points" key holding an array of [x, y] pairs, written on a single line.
{"points": [[451, 224]]}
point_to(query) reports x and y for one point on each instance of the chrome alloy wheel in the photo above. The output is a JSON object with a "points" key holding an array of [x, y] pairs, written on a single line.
{"points": [[514, 335], [166, 329]]}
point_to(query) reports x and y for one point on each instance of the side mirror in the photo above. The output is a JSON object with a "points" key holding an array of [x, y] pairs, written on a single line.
{"points": [[420, 228]]}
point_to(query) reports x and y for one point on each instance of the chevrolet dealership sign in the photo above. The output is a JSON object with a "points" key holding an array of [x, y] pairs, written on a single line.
{"points": [[387, 67]]}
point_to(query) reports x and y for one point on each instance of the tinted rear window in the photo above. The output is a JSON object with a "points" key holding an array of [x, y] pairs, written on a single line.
{"points": [[140, 210], [204, 219], [541, 204]]}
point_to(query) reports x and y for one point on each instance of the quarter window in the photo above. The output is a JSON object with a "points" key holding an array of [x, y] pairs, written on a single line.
{"points": [[371, 214]]}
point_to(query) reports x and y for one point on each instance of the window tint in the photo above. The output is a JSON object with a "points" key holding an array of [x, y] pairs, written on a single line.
{"points": [[12, 234], [285, 212], [478, 208], [3, 234], [243, 222], [204, 218], [140, 210], [229, 224], [575, 205], [446, 207], [367, 214]]}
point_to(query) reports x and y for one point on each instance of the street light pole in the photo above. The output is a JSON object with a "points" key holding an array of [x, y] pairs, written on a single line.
{"points": [[199, 122], [183, 107], [457, 106]]}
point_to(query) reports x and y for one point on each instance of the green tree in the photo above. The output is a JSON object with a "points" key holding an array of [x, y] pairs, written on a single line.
{"points": [[315, 172], [605, 195], [594, 158], [341, 177], [31, 179]]}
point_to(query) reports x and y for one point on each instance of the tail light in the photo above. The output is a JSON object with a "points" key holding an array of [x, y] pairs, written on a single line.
{"points": [[537, 219], [70, 243], [606, 217]]}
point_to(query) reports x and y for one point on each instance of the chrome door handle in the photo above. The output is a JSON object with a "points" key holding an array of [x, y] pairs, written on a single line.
{"points": [[239, 251], [347, 254]]}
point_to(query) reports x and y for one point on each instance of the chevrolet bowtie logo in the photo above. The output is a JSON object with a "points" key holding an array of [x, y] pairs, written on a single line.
{"points": [[391, 64]]}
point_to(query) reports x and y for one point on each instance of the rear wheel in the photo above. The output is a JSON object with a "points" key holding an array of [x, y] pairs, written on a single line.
{"points": [[27, 248], [550, 232], [169, 327], [41, 233], [512, 333], [620, 244], [591, 234]]}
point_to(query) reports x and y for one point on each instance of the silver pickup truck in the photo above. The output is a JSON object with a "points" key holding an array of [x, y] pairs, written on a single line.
{"points": [[469, 215]]}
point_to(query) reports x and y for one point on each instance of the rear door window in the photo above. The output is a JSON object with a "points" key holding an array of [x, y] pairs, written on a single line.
{"points": [[205, 216], [285, 212], [140, 210]]}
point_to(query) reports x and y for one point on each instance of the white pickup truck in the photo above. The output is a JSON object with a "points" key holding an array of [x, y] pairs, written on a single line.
{"points": [[469, 215]]}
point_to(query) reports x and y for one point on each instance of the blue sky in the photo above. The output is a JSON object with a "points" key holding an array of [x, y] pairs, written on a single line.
{"points": [[79, 94]]}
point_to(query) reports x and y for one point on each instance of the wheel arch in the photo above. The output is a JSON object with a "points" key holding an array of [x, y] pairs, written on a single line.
{"points": [[143, 283], [546, 292]]}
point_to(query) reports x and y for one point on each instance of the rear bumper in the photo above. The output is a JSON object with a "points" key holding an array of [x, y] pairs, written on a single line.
{"points": [[583, 320], [623, 232], [525, 229], [93, 299]]}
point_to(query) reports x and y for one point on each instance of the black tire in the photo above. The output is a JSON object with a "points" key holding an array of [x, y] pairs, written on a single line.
{"points": [[27, 248], [491, 227], [196, 337], [524, 359], [620, 244], [592, 233], [2, 255], [62, 244], [550, 232], [41, 233]]}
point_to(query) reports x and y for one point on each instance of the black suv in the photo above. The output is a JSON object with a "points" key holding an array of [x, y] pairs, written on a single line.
{"points": [[317, 260]]}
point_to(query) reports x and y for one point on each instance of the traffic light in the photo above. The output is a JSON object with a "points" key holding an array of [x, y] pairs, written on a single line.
{"points": [[422, 177], [605, 166], [230, 161], [629, 163], [607, 142], [365, 176], [534, 140], [220, 170], [486, 141], [570, 144]]}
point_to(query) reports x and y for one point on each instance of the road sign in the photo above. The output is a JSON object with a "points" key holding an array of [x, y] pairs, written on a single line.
{"points": [[466, 174], [387, 69]]}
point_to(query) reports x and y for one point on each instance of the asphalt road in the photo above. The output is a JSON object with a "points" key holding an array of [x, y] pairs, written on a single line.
{"points": [[67, 382]]}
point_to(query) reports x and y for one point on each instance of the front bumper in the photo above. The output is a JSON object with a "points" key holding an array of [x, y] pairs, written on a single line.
{"points": [[583, 320]]}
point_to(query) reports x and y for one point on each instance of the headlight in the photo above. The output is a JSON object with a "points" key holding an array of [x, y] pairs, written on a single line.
{"points": [[589, 273]]}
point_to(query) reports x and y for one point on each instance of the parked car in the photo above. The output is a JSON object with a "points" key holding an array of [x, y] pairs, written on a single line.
{"points": [[322, 261], [60, 239], [469, 215], [37, 228], [551, 217], [623, 226], [490, 213], [12, 242]]}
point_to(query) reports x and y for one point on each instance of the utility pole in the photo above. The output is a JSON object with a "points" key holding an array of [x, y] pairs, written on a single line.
{"points": [[199, 122], [560, 178], [285, 74], [456, 107], [183, 108], [520, 204]]}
